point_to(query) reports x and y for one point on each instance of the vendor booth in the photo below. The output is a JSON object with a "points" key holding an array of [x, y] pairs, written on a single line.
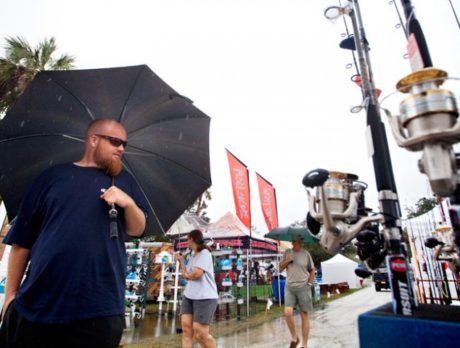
{"points": [[243, 264]]}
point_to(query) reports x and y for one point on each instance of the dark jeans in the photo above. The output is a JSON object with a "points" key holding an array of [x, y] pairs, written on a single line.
{"points": [[18, 332]]}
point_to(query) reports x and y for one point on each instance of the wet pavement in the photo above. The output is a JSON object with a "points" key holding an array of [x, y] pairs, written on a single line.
{"points": [[334, 326]]}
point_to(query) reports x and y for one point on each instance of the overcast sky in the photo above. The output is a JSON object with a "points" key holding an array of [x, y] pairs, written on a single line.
{"points": [[269, 73]]}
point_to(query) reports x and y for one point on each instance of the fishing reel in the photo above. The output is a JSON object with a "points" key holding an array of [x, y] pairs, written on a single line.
{"points": [[337, 209], [428, 122], [445, 251]]}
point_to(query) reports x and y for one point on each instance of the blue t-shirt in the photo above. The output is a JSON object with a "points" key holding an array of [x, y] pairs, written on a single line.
{"points": [[205, 286], [76, 271]]}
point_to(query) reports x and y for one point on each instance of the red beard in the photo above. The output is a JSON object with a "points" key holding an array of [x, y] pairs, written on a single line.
{"points": [[112, 166]]}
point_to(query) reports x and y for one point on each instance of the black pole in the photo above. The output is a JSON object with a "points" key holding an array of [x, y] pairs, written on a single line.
{"points": [[398, 270], [413, 27]]}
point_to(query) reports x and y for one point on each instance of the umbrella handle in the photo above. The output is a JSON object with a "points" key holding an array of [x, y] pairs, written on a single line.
{"points": [[113, 213]]}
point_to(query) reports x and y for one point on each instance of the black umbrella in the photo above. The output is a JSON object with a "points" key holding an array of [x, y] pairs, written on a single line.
{"points": [[168, 138]]}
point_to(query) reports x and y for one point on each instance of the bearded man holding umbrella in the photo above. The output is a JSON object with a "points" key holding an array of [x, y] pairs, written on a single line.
{"points": [[73, 222], [73, 295]]}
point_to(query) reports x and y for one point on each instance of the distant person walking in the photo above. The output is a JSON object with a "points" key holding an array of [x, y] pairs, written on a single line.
{"points": [[200, 294], [300, 276]]}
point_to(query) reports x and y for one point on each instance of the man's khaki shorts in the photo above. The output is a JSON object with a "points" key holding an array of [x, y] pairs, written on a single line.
{"points": [[300, 297]]}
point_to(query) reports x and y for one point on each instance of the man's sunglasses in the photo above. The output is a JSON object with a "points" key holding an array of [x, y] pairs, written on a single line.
{"points": [[113, 141]]}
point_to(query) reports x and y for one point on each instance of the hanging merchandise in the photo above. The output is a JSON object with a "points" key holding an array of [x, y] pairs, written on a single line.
{"points": [[226, 264], [136, 281], [239, 263]]}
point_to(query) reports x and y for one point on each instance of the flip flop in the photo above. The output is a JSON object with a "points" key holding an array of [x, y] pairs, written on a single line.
{"points": [[294, 344]]}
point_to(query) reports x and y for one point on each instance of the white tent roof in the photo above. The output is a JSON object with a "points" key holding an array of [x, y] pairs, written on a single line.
{"points": [[339, 258], [228, 226], [185, 223]]}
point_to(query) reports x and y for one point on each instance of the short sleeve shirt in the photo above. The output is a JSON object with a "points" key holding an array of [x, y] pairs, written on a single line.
{"points": [[76, 271], [298, 271], [205, 286]]}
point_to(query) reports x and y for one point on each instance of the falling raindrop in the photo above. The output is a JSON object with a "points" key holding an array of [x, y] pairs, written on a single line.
{"points": [[22, 123], [181, 136], [59, 97]]}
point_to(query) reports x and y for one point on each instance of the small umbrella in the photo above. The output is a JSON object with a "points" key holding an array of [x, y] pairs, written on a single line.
{"points": [[288, 233], [168, 137]]}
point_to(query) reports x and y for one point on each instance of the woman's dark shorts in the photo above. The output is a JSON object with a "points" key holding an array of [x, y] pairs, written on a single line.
{"points": [[202, 310]]}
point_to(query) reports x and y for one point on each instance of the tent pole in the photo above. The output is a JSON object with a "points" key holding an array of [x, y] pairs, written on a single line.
{"points": [[279, 282], [176, 286], [247, 281]]}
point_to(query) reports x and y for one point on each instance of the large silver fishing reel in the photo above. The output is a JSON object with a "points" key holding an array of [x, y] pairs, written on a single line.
{"points": [[336, 208], [428, 122]]}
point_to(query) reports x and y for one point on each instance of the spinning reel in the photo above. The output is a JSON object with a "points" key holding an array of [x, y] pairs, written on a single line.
{"points": [[428, 122], [337, 209]]}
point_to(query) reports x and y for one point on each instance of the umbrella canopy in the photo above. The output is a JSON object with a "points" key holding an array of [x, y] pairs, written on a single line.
{"points": [[168, 138], [288, 233]]}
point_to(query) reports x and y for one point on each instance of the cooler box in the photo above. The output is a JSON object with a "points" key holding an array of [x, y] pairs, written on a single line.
{"points": [[275, 288], [430, 326]]}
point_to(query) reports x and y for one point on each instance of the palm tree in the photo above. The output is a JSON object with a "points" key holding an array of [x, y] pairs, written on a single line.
{"points": [[22, 62]]}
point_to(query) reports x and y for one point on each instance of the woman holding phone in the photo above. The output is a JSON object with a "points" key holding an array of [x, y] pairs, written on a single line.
{"points": [[200, 294]]}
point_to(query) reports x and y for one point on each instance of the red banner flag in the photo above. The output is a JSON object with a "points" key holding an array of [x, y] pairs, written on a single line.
{"points": [[268, 202], [241, 193]]}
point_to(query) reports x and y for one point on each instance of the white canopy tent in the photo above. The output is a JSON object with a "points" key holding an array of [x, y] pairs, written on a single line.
{"points": [[230, 225], [186, 223], [340, 269]]}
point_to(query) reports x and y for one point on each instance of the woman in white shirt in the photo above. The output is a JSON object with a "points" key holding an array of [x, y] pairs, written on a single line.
{"points": [[200, 294]]}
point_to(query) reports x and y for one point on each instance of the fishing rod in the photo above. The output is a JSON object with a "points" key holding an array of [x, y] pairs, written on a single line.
{"points": [[349, 43], [419, 271], [413, 28], [428, 120], [404, 301], [401, 23], [430, 267], [443, 282]]}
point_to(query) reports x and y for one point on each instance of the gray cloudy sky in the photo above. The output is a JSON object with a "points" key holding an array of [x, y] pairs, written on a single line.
{"points": [[269, 73]]}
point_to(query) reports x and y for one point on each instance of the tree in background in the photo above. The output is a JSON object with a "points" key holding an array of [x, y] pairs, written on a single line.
{"points": [[199, 206], [422, 206], [22, 62]]}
